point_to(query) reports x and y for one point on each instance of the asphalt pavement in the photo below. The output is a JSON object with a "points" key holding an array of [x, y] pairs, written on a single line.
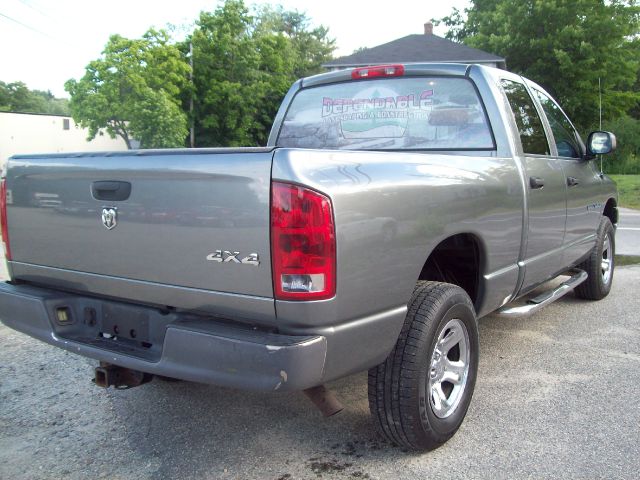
{"points": [[628, 232], [557, 396]]}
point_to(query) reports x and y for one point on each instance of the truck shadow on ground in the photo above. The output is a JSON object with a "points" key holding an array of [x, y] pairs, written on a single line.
{"points": [[194, 430], [205, 430]]}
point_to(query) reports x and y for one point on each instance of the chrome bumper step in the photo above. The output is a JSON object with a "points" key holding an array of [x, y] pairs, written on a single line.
{"points": [[534, 304]]}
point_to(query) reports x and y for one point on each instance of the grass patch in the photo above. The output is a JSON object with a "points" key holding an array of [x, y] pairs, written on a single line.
{"points": [[629, 190], [622, 260]]}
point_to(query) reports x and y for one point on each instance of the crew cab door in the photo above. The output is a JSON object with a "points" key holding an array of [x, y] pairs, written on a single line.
{"points": [[583, 180], [545, 186]]}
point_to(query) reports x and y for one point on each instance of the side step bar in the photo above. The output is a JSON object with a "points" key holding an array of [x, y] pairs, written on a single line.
{"points": [[532, 305]]}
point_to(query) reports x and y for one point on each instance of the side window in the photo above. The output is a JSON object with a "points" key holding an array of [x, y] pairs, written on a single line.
{"points": [[564, 133], [530, 127]]}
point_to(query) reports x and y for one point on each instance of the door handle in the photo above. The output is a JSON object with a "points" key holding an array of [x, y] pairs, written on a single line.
{"points": [[111, 190], [572, 181], [536, 182]]}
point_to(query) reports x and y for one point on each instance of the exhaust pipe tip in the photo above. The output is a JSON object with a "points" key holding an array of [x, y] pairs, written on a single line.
{"points": [[325, 400]]}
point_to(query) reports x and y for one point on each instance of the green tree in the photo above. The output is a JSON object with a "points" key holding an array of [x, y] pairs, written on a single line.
{"points": [[626, 158], [16, 97], [224, 76], [311, 46], [565, 45], [243, 65], [5, 98], [59, 106], [134, 91], [23, 100]]}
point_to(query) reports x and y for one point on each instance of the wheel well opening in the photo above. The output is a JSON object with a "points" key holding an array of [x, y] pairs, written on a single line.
{"points": [[611, 211], [456, 260]]}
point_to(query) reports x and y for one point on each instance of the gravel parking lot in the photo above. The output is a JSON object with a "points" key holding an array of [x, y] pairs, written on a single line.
{"points": [[558, 396]]}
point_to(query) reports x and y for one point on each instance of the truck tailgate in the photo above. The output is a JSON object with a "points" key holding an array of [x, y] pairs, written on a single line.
{"points": [[73, 213]]}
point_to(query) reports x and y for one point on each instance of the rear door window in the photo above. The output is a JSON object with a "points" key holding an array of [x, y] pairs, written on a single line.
{"points": [[534, 140], [421, 113]]}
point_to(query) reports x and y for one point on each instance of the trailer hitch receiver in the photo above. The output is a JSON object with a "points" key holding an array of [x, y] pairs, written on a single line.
{"points": [[108, 375]]}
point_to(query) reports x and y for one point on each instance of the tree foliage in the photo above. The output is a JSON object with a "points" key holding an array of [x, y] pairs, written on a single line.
{"points": [[133, 91], [243, 65], [565, 45], [626, 158], [16, 97], [311, 46]]}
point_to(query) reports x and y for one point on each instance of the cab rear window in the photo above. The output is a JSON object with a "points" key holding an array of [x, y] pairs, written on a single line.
{"points": [[419, 113]]}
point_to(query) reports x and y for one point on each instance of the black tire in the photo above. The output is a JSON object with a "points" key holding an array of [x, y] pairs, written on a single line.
{"points": [[399, 389], [600, 264]]}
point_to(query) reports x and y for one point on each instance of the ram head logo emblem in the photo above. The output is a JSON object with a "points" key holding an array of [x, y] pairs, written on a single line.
{"points": [[109, 217]]}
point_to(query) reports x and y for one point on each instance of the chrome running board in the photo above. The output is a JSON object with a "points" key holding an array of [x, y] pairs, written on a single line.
{"points": [[534, 304]]}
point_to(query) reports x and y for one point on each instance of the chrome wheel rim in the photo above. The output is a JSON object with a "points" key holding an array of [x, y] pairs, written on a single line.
{"points": [[449, 368], [606, 263]]}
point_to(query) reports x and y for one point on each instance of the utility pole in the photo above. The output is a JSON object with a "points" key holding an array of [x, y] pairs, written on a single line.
{"points": [[193, 131]]}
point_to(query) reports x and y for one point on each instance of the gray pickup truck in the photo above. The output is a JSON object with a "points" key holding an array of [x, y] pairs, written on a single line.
{"points": [[393, 207]]}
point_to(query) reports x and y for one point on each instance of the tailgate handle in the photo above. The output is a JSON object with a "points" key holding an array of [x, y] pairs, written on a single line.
{"points": [[111, 190]]}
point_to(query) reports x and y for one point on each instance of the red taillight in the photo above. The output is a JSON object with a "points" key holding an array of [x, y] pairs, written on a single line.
{"points": [[378, 71], [3, 219], [303, 243]]}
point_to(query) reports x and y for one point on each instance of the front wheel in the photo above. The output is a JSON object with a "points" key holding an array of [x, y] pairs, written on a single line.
{"points": [[600, 264], [419, 396]]}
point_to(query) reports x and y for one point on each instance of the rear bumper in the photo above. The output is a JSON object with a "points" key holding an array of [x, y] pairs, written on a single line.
{"points": [[175, 345]]}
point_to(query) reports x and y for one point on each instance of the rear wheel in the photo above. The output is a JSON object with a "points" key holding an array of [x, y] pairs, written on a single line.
{"points": [[600, 264], [419, 396]]}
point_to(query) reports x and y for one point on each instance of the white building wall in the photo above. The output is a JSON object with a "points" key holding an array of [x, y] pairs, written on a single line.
{"points": [[22, 133]]}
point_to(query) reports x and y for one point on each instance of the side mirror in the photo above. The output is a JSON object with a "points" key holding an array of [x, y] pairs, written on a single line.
{"points": [[600, 143]]}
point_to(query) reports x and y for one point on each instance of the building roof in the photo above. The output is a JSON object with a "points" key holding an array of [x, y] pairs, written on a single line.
{"points": [[417, 49]]}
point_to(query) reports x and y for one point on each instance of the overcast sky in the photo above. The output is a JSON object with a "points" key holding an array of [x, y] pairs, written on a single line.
{"points": [[45, 42]]}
